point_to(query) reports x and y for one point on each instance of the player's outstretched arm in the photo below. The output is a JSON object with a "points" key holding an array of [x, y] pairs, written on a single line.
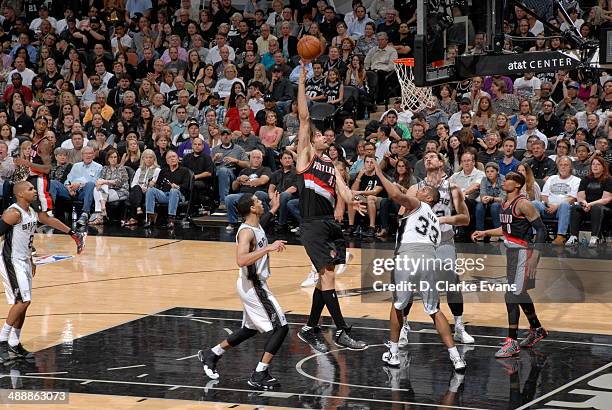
{"points": [[244, 256], [409, 202], [304, 148], [488, 232]]}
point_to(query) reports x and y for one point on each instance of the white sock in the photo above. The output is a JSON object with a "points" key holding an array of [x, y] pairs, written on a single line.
{"points": [[394, 348], [14, 337], [454, 353], [4, 333], [218, 350], [261, 367], [458, 322]]}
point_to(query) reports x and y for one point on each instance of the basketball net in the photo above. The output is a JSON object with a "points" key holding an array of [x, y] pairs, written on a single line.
{"points": [[413, 98]]}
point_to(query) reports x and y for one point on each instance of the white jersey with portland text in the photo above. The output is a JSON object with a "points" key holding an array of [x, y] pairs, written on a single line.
{"points": [[420, 225], [444, 207], [18, 240], [262, 265]]}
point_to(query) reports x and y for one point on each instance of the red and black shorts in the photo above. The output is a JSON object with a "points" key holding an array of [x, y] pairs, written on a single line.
{"points": [[43, 201], [324, 242]]}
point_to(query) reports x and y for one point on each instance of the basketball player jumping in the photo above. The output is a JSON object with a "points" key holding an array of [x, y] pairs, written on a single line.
{"points": [[319, 185], [261, 311], [519, 218], [417, 238], [17, 225], [451, 202], [40, 166]]}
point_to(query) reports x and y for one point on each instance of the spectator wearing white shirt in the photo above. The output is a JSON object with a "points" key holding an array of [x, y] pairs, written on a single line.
{"points": [[214, 56], [454, 122], [532, 129], [558, 195], [61, 25], [527, 86], [26, 74], [356, 28], [381, 60], [263, 41], [383, 144], [43, 14]]}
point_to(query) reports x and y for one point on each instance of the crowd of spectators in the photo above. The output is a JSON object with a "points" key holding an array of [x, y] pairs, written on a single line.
{"points": [[159, 102]]}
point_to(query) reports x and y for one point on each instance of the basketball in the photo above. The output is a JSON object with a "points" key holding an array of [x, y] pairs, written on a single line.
{"points": [[309, 47]]}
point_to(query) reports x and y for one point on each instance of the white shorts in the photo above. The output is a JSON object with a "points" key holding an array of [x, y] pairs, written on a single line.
{"points": [[261, 310], [424, 279], [17, 279]]}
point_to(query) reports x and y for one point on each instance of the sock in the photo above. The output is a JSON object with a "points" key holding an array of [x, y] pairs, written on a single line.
{"points": [[218, 350], [458, 322], [513, 333], [453, 352], [4, 333], [261, 367], [318, 303], [14, 337], [331, 301], [394, 349]]}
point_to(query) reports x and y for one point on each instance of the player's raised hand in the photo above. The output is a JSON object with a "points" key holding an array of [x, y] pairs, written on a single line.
{"points": [[274, 202], [302, 78], [277, 246], [359, 204]]}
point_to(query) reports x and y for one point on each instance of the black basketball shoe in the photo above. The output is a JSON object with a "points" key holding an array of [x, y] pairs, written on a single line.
{"points": [[19, 352], [263, 381], [314, 337], [209, 361], [343, 339], [4, 352]]}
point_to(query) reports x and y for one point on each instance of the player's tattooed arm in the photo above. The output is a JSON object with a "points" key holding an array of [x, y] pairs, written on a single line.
{"points": [[346, 194], [44, 150], [526, 208], [462, 217]]}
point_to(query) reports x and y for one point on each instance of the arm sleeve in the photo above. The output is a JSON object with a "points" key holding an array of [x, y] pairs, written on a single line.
{"points": [[541, 233]]}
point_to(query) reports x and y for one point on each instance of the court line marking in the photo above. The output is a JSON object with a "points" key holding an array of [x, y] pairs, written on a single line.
{"points": [[558, 389], [140, 376], [87, 381], [126, 367], [228, 330], [424, 331], [186, 357], [298, 368], [201, 320], [165, 244], [46, 373], [242, 391]]}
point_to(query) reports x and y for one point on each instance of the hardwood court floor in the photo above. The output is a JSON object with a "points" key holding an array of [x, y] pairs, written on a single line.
{"points": [[121, 279]]}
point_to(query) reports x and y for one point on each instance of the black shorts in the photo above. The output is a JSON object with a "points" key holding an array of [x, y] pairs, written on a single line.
{"points": [[521, 268], [43, 201], [324, 242]]}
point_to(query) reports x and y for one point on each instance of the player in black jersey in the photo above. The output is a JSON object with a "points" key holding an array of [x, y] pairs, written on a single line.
{"points": [[518, 220], [321, 187]]}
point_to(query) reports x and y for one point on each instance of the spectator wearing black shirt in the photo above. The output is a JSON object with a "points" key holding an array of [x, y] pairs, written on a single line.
{"points": [[202, 167], [225, 12], [390, 25], [171, 187], [20, 120], [541, 166], [368, 186], [491, 153], [253, 180], [593, 202], [281, 89], [417, 146], [328, 25], [548, 123], [284, 181]]}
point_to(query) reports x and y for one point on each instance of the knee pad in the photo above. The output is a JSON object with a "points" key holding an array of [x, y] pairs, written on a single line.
{"points": [[276, 338], [240, 336]]}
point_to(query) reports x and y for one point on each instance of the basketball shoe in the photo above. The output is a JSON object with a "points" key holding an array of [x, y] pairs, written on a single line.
{"points": [[19, 352], [209, 362], [403, 339], [534, 336], [510, 348], [79, 239], [391, 359], [314, 337], [263, 380], [343, 339]]}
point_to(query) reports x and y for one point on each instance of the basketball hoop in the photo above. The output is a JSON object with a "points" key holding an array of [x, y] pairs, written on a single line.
{"points": [[413, 98]]}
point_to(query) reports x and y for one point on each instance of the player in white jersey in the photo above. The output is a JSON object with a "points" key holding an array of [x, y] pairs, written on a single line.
{"points": [[451, 211], [417, 238], [17, 227], [261, 311]]}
